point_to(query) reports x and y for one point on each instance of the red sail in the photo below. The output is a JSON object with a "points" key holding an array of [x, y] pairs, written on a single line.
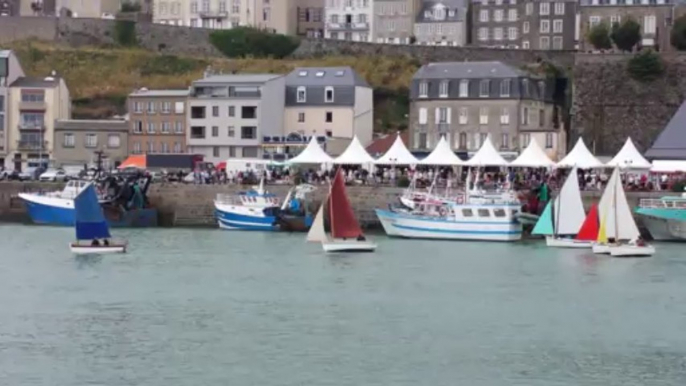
{"points": [[343, 222], [589, 229]]}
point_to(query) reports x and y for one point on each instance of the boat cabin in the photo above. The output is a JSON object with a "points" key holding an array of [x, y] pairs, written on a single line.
{"points": [[476, 213]]}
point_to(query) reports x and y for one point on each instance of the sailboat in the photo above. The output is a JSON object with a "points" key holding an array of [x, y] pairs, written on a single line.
{"points": [[564, 216], [92, 232], [346, 234], [618, 234]]}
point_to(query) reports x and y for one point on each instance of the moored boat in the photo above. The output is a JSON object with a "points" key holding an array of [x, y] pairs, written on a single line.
{"points": [[92, 232], [665, 217]]}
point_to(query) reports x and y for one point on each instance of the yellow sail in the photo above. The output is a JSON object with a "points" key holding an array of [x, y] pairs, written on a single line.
{"points": [[602, 232]]}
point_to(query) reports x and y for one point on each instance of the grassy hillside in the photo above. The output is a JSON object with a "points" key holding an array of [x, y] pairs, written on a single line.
{"points": [[100, 79]]}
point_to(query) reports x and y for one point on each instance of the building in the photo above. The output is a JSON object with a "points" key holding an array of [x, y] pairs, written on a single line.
{"points": [[34, 106], [467, 101], [654, 16], [671, 143], [36, 7], [394, 21], [528, 24], [157, 121], [9, 7], [349, 20], [10, 70], [441, 22], [310, 21], [228, 115], [77, 142], [87, 9], [333, 102]]}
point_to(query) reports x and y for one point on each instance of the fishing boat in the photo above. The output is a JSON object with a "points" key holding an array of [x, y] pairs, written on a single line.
{"points": [[92, 232], [346, 234], [618, 235], [563, 217], [665, 217]]}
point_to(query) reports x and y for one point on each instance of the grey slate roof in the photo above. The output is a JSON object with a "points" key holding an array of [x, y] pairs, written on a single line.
{"points": [[671, 143], [325, 76], [459, 6], [237, 78], [467, 70], [160, 93], [92, 125], [26, 81]]}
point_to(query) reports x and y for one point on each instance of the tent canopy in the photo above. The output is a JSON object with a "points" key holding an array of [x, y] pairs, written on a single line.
{"points": [[668, 166], [354, 154], [312, 154], [580, 157], [533, 157], [629, 157], [442, 155], [134, 161], [487, 156], [397, 155]]}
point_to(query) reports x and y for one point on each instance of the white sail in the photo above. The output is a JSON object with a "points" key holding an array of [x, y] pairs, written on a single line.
{"points": [[569, 208], [606, 206], [626, 225], [317, 233]]}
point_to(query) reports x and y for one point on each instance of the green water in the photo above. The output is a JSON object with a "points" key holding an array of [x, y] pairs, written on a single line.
{"points": [[203, 307]]}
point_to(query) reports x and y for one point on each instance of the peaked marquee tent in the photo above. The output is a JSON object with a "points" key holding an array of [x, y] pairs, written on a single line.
{"points": [[533, 157], [580, 157], [442, 155], [354, 154], [629, 157], [397, 155], [486, 156], [312, 154]]}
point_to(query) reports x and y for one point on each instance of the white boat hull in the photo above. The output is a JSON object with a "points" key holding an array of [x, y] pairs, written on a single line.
{"points": [[348, 246], [561, 242], [94, 250], [626, 250], [601, 249]]}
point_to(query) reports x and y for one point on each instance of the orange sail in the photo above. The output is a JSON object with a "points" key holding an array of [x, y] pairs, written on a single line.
{"points": [[589, 229], [343, 221]]}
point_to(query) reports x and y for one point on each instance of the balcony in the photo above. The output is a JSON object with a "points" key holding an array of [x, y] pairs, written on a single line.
{"points": [[30, 126], [347, 26], [213, 14], [32, 145], [33, 105]]}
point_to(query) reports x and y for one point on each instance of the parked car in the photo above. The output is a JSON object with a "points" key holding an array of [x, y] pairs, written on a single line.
{"points": [[53, 175]]}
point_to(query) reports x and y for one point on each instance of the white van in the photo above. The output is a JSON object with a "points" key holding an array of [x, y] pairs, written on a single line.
{"points": [[236, 165]]}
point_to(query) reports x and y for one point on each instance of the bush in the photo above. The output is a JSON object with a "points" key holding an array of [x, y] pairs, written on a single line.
{"points": [[646, 66], [626, 35], [403, 182], [679, 186], [599, 36], [171, 65], [678, 37], [129, 6], [244, 41], [125, 32]]}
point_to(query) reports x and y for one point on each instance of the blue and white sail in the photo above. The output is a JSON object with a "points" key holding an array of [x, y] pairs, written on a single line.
{"points": [[90, 221]]}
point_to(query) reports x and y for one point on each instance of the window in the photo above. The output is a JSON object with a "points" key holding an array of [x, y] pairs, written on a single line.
{"points": [[467, 213], [559, 8], [69, 140], [544, 43], [512, 33], [232, 111], [483, 15], [498, 15], [250, 152], [525, 27], [615, 19], [113, 141], [593, 21], [177, 147], [91, 140], [197, 112], [328, 95], [545, 26], [215, 151], [499, 212], [557, 26], [484, 88], [557, 42], [248, 132], [483, 115], [179, 127], [525, 116], [541, 90], [483, 34], [442, 115], [505, 116], [215, 131], [497, 33], [423, 90], [137, 148], [164, 147], [137, 127], [329, 117], [464, 88], [505, 88], [463, 140], [198, 132], [137, 107], [544, 8], [529, 8], [301, 117], [649, 25], [302, 94], [548, 140], [463, 118], [525, 87], [165, 127], [443, 89], [32, 120], [504, 141], [525, 44], [166, 107], [422, 115], [541, 118], [483, 212], [151, 107], [249, 112], [526, 139], [512, 15], [179, 107], [231, 132], [215, 111]]}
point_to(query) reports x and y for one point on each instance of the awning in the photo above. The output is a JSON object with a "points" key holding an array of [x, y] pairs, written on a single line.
{"points": [[134, 161]]}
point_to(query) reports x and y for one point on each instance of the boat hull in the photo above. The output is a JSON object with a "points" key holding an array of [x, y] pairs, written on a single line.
{"points": [[290, 223], [664, 229], [96, 250], [336, 245], [418, 227], [632, 251], [561, 242], [46, 210], [236, 217], [601, 249]]}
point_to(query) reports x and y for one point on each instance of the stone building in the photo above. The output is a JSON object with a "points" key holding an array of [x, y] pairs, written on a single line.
{"points": [[229, 115], [157, 121], [394, 21], [77, 141], [441, 22], [310, 15], [655, 17], [10, 70], [34, 106], [467, 101], [349, 20], [9, 7], [527, 24]]}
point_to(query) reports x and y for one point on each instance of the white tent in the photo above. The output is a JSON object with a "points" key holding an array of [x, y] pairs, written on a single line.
{"points": [[629, 157], [487, 156], [397, 155], [668, 166], [354, 154], [442, 155], [533, 157], [580, 157], [312, 154]]}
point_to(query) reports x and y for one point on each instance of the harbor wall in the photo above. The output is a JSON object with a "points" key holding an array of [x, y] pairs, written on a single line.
{"points": [[192, 205]]}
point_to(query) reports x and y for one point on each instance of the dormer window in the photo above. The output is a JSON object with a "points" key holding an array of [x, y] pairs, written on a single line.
{"points": [[328, 95], [451, 13], [319, 74], [464, 88], [484, 88], [302, 94], [340, 73], [525, 87], [541, 89], [443, 91], [505, 88], [423, 90], [302, 74], [427, 14]]}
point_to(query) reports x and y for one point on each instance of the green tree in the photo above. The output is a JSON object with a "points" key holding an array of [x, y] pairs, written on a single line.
{"points": [[646, 66], [125, 32], [599, 36], [626, 34], [244, 41], [678, 37]]}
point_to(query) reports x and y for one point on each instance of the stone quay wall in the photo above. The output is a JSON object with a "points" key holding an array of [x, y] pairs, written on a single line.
{"points": [[193, 205]]}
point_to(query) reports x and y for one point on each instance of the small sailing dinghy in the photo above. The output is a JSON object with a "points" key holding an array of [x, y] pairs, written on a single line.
{"points": [[346, 234], [617, 224], [563, 217], [92, 232]]}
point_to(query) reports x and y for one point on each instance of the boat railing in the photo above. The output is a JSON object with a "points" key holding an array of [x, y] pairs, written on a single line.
{"points": [[228, 199], [657, 203]]}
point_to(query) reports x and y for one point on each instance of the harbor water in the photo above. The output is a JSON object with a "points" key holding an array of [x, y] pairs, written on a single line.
{"points": [[211, 307]]}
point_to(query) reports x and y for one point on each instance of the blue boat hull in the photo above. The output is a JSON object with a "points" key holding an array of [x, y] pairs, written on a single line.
{"points": [[53, 215], [229, 220]]}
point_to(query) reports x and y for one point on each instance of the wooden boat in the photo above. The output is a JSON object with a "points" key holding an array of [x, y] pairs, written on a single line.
{"points": [[92, 231], [346, 234]]}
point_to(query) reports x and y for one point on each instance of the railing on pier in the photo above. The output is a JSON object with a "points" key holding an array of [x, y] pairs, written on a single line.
{"points": [[656, 203]]}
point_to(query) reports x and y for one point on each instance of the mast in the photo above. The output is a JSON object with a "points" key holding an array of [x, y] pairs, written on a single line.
{"points": [[614, 204]]}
